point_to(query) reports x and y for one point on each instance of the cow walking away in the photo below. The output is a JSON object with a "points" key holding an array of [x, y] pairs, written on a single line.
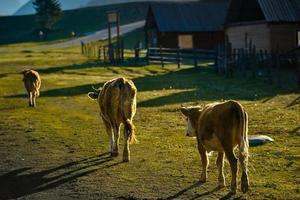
{"points": [[32, 83], [117, 102], [221, 127]]}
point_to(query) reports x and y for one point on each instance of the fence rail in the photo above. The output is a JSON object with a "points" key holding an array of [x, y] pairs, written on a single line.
{"points": [[179, 56]]}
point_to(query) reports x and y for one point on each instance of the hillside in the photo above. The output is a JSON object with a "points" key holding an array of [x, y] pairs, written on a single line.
{"points": [[65, 5], [9, 7], [28, 8], [108, 2], [82, 21]]}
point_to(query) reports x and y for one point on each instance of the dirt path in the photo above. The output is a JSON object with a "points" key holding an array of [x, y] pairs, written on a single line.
{"points": [[99, 35]]}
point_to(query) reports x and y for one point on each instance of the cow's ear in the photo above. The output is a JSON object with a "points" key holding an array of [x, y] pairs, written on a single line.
{"points": [[93, 95], [24, 71], [185, 111]]}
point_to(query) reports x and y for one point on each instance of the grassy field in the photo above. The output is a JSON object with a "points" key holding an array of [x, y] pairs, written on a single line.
{"points": [[59, 150]]}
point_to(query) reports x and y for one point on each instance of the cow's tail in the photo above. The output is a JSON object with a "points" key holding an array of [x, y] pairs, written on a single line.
{"points": [[126, 109], [244, 145], [130, 130], [36, 88], [244, 154]]}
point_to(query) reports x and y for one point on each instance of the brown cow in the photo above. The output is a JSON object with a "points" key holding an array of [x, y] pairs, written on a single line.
{"points": [[32, 82], [221, 127], [117, 102]]}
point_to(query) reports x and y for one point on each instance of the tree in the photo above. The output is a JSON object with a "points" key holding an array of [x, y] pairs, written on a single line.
{"points": [[48, 12]]}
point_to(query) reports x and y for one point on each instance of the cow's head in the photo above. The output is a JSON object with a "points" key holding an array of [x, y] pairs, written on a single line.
{"points": [[192, 114], [95, 94]]}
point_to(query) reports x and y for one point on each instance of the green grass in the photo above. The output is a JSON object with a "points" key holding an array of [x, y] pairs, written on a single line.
{"points": [[53, 151], [81, 21]]}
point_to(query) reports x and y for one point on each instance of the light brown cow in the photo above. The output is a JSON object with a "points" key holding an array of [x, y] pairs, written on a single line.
{"points": [[117, 101], [32, 82], [221, 127]]}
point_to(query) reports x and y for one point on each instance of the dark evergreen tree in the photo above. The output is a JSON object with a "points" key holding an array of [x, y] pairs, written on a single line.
{"points": [[48, 12]]}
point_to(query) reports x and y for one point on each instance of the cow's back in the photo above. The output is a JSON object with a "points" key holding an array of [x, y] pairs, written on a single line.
{"points": [[223, 120], [117, 100], [32, 80]]}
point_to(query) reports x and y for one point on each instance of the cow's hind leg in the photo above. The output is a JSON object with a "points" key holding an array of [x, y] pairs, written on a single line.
{"points": [[205, 162], [116, 133], [34, 100], [244, 179], [110, 135], [220, 164], [233, 165], [128, 128], [30, 99]]}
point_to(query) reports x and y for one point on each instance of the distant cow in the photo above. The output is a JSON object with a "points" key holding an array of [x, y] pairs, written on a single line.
{"points": [[117, 101], [32, 82], [221, 127]]}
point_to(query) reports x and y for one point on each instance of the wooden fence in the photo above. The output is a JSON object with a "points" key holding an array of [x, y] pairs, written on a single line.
{"points": [[102, 52], [279, 68], [179, 56]]}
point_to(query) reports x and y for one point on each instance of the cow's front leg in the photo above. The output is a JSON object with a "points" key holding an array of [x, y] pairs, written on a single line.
{"points": [[220, 164], [205, 162], [33, 100], [30, 99], [116, 136]]}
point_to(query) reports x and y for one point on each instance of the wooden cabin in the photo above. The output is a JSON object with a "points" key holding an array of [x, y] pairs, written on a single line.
{"points": [[271, 25], [186, 24]]}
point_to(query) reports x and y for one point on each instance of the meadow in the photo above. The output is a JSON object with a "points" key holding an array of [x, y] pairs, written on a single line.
{"points": [[60, 150]]}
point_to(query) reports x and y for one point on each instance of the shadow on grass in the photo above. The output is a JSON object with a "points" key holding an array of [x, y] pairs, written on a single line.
{"points": [[198, 184], [18, 183], [202, 85], [67, 91], [91, 64], [294, 102], [197, 84]]}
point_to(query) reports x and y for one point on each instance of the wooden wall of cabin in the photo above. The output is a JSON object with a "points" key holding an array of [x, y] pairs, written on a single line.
{"points": [[201, 40], [258, 33], [283, 36]]}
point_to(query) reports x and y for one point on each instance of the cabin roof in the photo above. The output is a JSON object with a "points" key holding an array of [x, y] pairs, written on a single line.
{"points": [[280, 10], [204, 16], [263, 10]]}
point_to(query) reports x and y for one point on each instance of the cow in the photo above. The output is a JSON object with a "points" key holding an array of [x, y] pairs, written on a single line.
{"points": [[32, 83], [117, 102], [220, 127]]}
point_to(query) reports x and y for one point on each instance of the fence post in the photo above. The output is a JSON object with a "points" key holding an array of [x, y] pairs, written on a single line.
{"points": [[104, 53], [161, 57], [277, 57], [81, 43], [99, 53], [178, 57], [195, 58], [298, 66], [122, 51], [147, 55], [216, 58]]}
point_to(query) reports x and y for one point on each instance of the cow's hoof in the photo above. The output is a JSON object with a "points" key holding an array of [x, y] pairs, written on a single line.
{"points": [[202, 180], [114, 154], [232, 191], [221, 184], [244, 184]]}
